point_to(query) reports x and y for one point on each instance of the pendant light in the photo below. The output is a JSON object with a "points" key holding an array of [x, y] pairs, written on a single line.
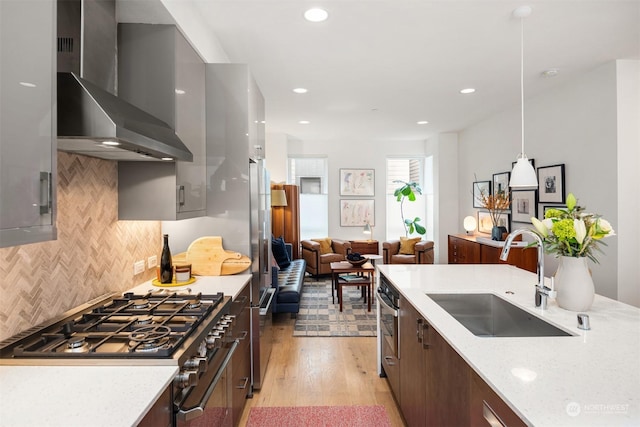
{"points": [[523, 174]]}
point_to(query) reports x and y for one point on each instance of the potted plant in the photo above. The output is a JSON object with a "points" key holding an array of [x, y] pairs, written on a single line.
{"points": [[497, 205], [408, 191]]}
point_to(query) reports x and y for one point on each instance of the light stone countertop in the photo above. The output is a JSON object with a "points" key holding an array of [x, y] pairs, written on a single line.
{"points": [[590, 379], [93, 396]]}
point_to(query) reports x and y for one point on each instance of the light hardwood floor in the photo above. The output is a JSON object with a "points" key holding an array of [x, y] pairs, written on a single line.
{"points": [[319, 371]]}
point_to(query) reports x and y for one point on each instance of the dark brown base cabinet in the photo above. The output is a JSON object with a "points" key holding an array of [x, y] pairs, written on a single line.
{"points": [[365, 246], [437, 387], [161, 413], [467, 250], [241, 361]]}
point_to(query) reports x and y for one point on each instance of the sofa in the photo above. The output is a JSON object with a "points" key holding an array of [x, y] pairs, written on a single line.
{"points": [[320, 253], [288, 283], [422, 253]]}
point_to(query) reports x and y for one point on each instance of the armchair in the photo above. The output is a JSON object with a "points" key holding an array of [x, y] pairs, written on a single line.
{"points": [[318, 261], [423, 253]]}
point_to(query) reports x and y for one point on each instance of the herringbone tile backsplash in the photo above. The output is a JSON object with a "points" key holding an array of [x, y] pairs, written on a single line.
{"points": [[93, 255]]}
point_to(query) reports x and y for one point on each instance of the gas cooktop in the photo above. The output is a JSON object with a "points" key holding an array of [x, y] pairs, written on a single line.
{"points": [[157, 325]]}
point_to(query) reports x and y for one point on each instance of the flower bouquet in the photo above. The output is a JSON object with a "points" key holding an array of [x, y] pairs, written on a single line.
{"points": [[497, 205]]}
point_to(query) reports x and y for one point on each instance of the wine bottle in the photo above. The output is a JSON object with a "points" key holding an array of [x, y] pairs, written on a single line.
{"points": [[166, 268]]}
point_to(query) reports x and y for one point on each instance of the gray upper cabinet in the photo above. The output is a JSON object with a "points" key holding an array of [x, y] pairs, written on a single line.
{"points": [[159, 72], [27, 121]]}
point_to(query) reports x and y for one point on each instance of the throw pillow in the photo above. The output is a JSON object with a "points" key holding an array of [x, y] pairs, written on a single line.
{"points": [[408, 246], [279, 250], [325, 245]]}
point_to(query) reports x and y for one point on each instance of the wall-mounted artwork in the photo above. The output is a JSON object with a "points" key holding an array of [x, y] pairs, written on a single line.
{"points": [[357, 212], [480, 188], [547, 207], [523, 205], [551, 184], [357, 182], [501, 182]]}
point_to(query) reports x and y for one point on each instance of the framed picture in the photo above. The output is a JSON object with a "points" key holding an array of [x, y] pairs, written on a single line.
{"points": [[551, 184], [501, 182], [532, 161], [480, 188], [357, 212], [523, 205], [485, 224], [545, 208], [357, 182]]}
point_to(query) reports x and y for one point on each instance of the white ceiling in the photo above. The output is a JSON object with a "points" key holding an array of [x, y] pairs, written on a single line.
{"points": [[376, 67]]}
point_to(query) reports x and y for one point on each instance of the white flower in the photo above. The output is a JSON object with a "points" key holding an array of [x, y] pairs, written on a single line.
{"points": [[542, 228], [606, 227], [581, 230]]}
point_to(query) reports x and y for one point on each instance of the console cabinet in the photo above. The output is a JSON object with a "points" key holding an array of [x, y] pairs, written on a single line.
{"points": [[468, 250], [365, 246]]}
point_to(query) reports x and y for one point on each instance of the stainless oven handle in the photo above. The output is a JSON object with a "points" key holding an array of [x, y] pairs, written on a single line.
{"points": [[199, 410], [387, 306]]}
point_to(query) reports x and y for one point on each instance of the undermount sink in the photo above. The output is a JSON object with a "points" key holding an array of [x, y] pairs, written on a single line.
{"points": [[487, 315]]}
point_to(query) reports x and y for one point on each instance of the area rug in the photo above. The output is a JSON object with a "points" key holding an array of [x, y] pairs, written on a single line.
{"points": [[319, 317], [319, 416]]}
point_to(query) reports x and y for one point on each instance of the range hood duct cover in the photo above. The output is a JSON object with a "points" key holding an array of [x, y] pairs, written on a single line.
{"points": [[88, 115]]}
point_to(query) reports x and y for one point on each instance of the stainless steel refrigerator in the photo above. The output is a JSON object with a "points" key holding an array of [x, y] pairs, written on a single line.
{"points": [[262, 293]]}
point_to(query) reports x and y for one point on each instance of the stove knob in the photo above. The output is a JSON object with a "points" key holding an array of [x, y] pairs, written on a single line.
{"points": [[213, 341], [186, 379], [198, 364]]}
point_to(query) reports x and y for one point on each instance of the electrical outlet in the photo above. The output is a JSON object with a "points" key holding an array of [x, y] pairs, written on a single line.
{"points": [[152, 261], [138, 267]]}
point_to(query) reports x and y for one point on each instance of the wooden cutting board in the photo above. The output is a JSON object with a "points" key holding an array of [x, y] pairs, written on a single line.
{"points": [[208, 258]]}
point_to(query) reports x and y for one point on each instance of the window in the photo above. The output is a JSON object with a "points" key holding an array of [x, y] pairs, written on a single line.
{"points": [[310, 174], [407, 170]]}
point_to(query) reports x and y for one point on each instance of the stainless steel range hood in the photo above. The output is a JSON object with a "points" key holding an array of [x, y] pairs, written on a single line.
{"points": [[91, 119], [93, 122]]}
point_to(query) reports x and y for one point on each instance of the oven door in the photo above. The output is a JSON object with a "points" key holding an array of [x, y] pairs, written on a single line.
{"points": [[208, 403]]}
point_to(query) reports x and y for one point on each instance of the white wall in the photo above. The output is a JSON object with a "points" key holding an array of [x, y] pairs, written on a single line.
{"points": [[576, 125], [628, 227], [447, 220]]}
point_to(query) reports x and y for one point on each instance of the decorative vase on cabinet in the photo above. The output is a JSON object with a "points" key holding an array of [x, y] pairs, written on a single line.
{"points": [[574, 284]]}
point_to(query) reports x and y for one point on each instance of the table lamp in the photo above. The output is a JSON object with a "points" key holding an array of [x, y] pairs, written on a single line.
{"points": [[469, 224]]}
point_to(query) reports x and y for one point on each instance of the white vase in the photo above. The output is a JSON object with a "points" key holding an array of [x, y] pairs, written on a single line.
{"points": [[574, 284]]}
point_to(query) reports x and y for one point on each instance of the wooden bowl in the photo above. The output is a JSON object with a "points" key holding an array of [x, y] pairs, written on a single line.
{"points": [[358, 263]]}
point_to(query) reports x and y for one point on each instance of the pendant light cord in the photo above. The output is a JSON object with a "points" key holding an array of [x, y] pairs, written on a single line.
{"points": [[522, 82]]}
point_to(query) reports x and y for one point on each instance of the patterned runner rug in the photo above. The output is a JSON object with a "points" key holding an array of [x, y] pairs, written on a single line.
{"points": [[317, 416], [318, 317]]}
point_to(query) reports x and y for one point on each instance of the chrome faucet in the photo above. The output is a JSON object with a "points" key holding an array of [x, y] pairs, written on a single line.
{"points": [[542, 291]]}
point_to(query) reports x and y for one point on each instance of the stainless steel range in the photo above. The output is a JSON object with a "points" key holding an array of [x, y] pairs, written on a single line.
{"points": [[162, 327]]}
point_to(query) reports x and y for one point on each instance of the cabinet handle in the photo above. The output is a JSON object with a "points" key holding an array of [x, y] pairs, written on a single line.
{"points": [[181, 195], [419, 329], [492, 419], [243, 335], [45, 193], [425, 344], [243, 386], [388, 361]]}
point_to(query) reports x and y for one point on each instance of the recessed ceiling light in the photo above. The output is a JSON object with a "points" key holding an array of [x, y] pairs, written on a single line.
{"points": [[300, 90], [422, 122], [27, 84], [468, 90], [180, 91], [304, 122], [552, 72], [316, 15]]}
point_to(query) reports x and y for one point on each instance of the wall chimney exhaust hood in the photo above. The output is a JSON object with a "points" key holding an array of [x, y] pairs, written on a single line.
{"points": [[93, 122]]}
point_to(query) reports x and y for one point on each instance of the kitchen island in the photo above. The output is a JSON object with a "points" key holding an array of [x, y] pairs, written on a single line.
{"points": [[589, 378], [91, 396]]}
